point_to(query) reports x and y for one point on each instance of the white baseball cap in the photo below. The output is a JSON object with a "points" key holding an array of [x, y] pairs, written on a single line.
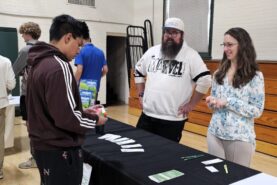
{"points": [[175, 23]]}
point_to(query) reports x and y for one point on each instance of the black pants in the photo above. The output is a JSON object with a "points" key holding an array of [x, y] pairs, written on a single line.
{"points": [[169, 129], [60, 167], [23, 109]]}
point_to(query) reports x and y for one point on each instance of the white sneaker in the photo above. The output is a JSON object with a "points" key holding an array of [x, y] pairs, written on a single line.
{"points": [[31, 163]]}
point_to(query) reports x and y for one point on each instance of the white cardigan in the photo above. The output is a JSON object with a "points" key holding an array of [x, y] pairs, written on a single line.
{"points": [[7, 80]]}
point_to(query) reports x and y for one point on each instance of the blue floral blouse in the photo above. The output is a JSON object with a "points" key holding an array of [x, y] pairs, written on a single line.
{"points": [[236, 120]]}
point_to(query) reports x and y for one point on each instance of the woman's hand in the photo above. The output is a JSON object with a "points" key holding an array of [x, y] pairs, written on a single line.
{"points": [[216, 103]]}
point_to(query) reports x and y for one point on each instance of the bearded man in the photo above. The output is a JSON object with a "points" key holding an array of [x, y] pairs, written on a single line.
{"points": [[177, 79]]}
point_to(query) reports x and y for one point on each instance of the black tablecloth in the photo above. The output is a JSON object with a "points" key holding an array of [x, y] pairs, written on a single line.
{"points": [[113, 167]]}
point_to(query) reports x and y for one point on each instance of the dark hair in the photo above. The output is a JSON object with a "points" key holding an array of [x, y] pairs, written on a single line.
{"points": [[64, 24], [246, 59], [85, 30]]}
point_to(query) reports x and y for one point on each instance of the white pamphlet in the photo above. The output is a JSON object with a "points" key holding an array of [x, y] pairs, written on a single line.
{"points": [[120, 139], [213, 161], [109, 137], [131, 146], [211, 169], [132, 150], [126, 142]]}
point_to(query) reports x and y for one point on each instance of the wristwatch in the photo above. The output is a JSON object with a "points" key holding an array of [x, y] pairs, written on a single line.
{"points": [[141, 94]]}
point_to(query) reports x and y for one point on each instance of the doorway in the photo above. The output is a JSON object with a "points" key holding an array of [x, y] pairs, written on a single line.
{"points": [[117, 77]]}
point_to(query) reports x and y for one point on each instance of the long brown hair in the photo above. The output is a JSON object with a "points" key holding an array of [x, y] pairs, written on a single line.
{"points": [[246, 59]]}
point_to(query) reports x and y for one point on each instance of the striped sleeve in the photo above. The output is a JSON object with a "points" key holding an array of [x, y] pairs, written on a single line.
{"points": [[140, 69], [200, 74], [62, 103]]}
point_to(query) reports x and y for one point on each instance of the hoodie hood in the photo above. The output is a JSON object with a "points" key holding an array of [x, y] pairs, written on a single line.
{"points": [[42, 50]]}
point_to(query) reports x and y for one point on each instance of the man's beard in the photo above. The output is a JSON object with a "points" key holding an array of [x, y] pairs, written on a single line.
{"points": [[170, 48]]}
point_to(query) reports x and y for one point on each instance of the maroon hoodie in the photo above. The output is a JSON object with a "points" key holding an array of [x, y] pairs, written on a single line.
{"points": [[55, 116]]}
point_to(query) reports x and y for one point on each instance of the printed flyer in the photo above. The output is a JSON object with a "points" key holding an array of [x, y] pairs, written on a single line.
{"points": [[87, 89]]}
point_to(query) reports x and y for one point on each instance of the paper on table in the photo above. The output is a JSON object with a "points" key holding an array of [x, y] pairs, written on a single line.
{"points": [[131, 146], [109, 137], [211, 169], [258, 179], [121, 139], [213, 161], [126, 142], [132, 150], [164, 176]]}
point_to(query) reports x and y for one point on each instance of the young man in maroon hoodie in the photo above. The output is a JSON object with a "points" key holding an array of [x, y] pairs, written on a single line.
{"points": [[57, 122]]}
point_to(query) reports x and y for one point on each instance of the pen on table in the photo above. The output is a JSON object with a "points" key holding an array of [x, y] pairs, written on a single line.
{"points": [[192, 156], [226, 168]]}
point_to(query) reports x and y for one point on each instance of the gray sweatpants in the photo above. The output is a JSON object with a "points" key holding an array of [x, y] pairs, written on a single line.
{"points": [[236, 151]]}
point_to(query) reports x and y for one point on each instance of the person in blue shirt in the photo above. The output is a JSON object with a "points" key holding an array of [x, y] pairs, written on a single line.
{"points": [[237, 97], [91, 63]]}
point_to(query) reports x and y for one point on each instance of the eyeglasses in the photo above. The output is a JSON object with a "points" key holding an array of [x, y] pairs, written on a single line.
{"points": [[228, 44], [172, 33]]}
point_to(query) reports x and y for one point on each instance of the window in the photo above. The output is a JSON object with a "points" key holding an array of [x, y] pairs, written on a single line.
{"points": [[83, 2], [197, 16]]}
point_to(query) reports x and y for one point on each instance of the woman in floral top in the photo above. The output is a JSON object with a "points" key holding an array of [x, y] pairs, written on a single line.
{"points": [[237, 97]]}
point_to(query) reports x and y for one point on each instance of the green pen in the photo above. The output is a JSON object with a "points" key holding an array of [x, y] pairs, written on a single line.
{"points": [[192, 157]]}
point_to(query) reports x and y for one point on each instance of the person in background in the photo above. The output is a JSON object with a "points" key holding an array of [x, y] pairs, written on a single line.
{"points": [[91, 63], [57, 122], [177, 79], [7, 83], [30, 32], [237, 97]]}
